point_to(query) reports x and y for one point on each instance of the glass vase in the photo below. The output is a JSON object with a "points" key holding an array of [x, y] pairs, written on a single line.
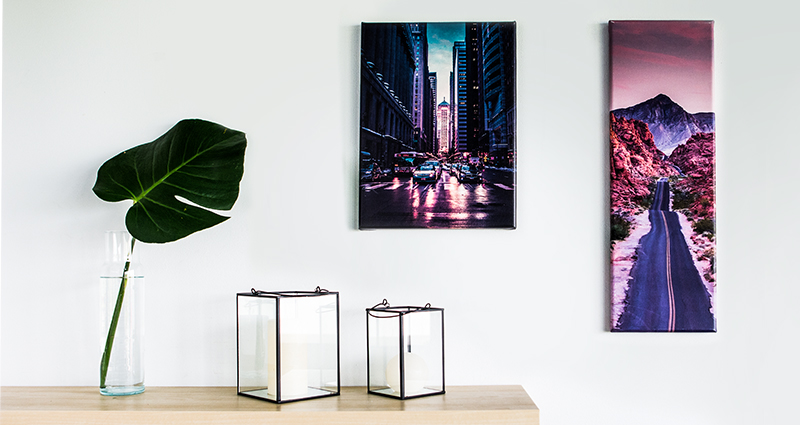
{"points": [[122, 344]]}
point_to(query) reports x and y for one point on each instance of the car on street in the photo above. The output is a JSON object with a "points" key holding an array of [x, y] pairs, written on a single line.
{"points": [[468, 173], [426, 172], [371, 171], [437, 165]]}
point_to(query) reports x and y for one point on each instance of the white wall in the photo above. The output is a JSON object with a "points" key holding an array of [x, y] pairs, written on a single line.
{"points": [[83, 80]]}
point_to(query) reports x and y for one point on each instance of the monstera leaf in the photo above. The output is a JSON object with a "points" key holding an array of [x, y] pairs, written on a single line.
{"points": [[196, 160]]}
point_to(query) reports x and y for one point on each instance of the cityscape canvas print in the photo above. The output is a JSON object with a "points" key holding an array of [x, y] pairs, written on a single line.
{"points": [[662, 146], [438, 125]]}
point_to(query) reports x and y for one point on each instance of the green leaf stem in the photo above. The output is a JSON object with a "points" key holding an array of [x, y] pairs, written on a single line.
{"points": [[196, 160], [112, 328]]}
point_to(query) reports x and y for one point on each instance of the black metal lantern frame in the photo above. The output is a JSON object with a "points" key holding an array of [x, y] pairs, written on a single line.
{"points": [[287, 345], [405, 351]]}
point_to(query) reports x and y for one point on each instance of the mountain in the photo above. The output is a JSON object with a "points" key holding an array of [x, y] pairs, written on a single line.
{"points": [[670, 124], [635, 162], [706, 119], [696, 160]]}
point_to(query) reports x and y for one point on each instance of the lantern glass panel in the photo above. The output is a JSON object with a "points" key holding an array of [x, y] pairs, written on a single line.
{"points": [[256, 326], [309, 346], [384, 345], [406, 351], [423, 356], [288, 345]]}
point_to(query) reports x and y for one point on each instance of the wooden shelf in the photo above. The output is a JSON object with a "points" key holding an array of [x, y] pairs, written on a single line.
{"points": [[221, 405]]}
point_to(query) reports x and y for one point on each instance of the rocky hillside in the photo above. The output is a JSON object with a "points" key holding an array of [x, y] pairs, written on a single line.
{"points": [[696, 160], [670, 124], [635, 162]]}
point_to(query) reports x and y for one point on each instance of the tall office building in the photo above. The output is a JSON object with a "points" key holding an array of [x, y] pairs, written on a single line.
{"points": [[387, 90], [499, 76], [434, 115], [443, 124], [459, 98], [423, 109], [451, 128], [476, 143]]}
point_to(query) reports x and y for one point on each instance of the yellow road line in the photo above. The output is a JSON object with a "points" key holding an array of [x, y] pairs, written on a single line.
{"points": [[670, 290]]}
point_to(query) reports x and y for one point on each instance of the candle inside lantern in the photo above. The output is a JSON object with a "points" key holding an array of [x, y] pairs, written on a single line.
{"points": [[294, 363], [415, 370]]}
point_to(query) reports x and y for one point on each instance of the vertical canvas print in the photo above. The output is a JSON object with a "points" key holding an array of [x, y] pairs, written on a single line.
{"points": [[437, 125], [662, 148]]}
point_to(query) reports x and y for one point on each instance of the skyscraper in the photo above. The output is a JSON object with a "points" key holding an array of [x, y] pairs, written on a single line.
{"points": [[476, 143], [423, 110], [434, 112], [387, 90], [459, 99], [443, 124], [451, 139], [499, 47]]}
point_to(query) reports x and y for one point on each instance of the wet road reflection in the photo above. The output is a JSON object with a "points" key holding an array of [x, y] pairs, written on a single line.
{"points": [[445, 203]]}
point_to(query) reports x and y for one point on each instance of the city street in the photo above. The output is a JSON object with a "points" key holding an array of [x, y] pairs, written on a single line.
{"points": [[399, 202]]}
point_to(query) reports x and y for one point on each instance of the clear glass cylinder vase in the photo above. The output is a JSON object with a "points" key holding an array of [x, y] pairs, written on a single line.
{"points": [[122, 311]]}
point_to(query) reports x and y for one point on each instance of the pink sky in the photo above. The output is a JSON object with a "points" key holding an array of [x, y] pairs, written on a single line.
{"points": [[669, 57]]}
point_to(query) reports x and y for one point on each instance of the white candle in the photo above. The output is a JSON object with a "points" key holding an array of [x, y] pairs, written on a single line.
{"points": [[416, 373], [294, 364]]}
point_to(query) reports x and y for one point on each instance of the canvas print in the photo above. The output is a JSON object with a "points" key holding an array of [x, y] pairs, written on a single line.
{"points": [[662, 168], [438, 125]]}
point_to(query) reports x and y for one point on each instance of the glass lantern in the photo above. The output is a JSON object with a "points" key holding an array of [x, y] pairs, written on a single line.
{"points": [[405, 351], [288, 345]]}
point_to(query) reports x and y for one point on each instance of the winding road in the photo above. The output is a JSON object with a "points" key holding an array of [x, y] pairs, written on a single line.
{"points": [[665, 293]]}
